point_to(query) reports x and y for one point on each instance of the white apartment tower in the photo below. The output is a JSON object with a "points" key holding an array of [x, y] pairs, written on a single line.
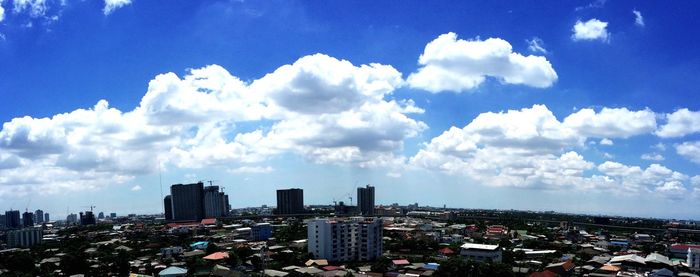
{"points": [[347, 239], [694, 258]]}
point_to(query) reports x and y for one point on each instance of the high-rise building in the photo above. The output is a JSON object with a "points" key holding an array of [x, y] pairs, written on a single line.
{"points": [[349, 239], [87, 218], [25, 237], [213, 202], [3, 222], [27, 219], [72, 218], [187, 201], [12, 219], [47, 217], [168, 207], [290, 201], [101, 215], [38, 216], [365, 200], [694, 258], [113, 215]]}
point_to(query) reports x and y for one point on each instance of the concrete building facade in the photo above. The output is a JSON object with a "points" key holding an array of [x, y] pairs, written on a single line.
{"points": [[365, 200], [24, 237], [187, 201], [290, 201], [349, 239]]}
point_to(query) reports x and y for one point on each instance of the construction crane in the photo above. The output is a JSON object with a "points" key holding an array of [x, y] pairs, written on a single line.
{"points": [[91, 207]]}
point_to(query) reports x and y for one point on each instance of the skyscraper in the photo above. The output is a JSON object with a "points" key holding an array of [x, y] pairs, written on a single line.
{"points": [[187, 201], [27, 219], [290, 201], [47, 217], [168, 207], [39, 216], [12, 219], [365, 200], [87, 218], [215, 202], [101, 215]]}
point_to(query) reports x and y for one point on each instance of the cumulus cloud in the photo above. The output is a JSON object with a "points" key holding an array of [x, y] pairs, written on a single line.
{"points": [[192, 122], [689, 150], [652, 157], [593, 29], [253, 169], [680, 123], [2, 12], [112, 5], [136, 188], [451, 64], [638, 18], [612, 122], [536, 45], [531, 148], [606, 141], [35, 8]]}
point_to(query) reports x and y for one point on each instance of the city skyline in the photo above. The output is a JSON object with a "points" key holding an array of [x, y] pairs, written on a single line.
{"points": [[580, 107]]}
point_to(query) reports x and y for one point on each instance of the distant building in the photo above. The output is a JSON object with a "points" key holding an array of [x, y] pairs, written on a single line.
{"points": [[290, 201], [101, 215], [47, 217], [39, 216], [187, 201], [87, 218], [113, 215], [694, 259], [260, 232], [168, 207], [481, 252], [72, 218], [215, 202], [365, 200], [27, 219], [24, 237], [12, 219], [350, 239], [3, 222]]}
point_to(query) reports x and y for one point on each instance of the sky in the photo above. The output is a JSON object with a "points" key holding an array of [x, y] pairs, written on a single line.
{"points": [[569, 106]]}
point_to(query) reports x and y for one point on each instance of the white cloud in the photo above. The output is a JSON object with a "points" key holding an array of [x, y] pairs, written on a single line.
{"points": [[136, 188], [654, 179], [638, 18], [192, 122], [652, 157], [689, 150], [451, 64], [606, 141], [2, 12], [253, 169], [680, 123], [531, 148], [592, 29], [536, 45], [612, 122], [35, 8], [112, 5], [659, 146]]}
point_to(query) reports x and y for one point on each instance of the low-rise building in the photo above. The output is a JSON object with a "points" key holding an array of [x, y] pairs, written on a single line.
{"points": [[481, 252]]}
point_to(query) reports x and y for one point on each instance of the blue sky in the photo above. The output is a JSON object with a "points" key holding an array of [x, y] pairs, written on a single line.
{"points": [[572, 106]]}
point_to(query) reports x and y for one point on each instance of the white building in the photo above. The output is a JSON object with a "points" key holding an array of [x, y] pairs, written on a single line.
{"points": [[349, 239], [481, 252], [24, 237], [694, 258]]}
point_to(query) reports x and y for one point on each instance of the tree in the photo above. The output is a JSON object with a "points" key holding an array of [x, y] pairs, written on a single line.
{"points": [[381, 265]]}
